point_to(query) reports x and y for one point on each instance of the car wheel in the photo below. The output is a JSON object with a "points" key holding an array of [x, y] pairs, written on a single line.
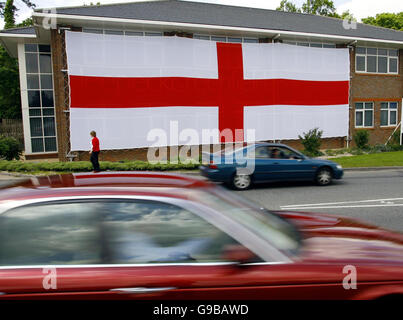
{"points": [[324, 177], [241, 181]]}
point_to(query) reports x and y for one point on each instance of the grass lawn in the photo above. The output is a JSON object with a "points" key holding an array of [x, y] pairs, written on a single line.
{"points": [[383, 159]]}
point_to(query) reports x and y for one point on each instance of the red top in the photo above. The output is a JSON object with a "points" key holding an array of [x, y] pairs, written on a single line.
{"points": [[95, 144]]}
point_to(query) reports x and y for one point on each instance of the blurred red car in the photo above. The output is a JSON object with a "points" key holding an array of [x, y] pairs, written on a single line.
{"points": [[165, 236]]}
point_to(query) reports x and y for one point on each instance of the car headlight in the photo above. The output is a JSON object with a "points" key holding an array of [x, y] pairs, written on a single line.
{"points": [[339, 167]]}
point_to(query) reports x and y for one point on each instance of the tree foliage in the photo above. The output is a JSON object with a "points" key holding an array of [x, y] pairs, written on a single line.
{"points": [[386, 20], [288, 6], [10, 100]]}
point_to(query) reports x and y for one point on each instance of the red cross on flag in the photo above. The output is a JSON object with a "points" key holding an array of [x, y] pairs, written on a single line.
{"points": [[123, 87]]}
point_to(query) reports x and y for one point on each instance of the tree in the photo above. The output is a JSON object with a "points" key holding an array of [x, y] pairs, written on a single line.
{"points": [[288, 6], [386, 20], [10, 100], [318, 7]]}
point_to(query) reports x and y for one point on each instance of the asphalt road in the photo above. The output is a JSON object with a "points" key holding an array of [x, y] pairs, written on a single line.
{"points": [[371, 196]]}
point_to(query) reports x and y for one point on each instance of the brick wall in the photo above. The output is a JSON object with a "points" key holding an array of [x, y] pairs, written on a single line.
{"points": [[375, 88]]}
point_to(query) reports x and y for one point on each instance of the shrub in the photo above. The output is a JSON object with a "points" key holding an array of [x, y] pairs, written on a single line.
{"points": [[361, 139], [9, 148], [85, 166], [311, 141]]}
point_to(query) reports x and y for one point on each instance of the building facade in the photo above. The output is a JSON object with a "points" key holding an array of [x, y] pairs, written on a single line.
{"points": [[376, 61]]}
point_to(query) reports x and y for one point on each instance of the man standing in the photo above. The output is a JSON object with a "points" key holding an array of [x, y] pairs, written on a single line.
{"points": [[95, 151]]}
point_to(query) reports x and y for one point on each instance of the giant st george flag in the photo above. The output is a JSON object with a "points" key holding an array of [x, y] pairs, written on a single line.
{"points": [[123, 87]]}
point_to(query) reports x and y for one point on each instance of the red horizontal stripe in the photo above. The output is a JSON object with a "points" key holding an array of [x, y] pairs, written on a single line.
{"points": [[108, 92]]}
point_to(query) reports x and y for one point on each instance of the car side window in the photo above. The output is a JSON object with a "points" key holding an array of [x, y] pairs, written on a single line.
{"points": [[262, 152], [50, 234], [157, 232], [282, 153]]}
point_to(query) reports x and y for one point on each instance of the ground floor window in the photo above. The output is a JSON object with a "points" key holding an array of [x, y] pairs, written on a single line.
{"points": [[388, 113], [364, 114], [38, 63]]}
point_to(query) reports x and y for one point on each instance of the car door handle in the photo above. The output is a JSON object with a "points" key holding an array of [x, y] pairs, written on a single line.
{"points": [[141, 290]]}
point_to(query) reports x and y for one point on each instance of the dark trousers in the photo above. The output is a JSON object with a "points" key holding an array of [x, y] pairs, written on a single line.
{"points": [[94, 160]]}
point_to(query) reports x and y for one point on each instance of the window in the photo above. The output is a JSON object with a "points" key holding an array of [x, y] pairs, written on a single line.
{"points": [[262, 152], [50, 234], [283, 153], [376, 60], [157, 232], [310, 44], [38, 61], [225, 39], [388, 113], [364, 114]]}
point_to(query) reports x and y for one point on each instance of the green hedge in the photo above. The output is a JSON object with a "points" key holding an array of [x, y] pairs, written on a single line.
{"points": [[84, 166]]}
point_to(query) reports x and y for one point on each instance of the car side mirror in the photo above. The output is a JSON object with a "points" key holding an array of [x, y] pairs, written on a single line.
{"points": [[238, 253]]}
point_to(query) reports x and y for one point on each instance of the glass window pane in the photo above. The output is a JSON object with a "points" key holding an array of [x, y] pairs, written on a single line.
{"points": [[48, 111], [384, 105], [47, 99], [51, 234], [316, 45], [36, 127], [218, 39], [368, 118], [44, 48], [153, 34], [234, 40], [45, 63], [359, 105], [382, 64], [30, 47], [250, 40], [371, 63], [34, 100], [361, 50], [382, 52], [201, 37], [372, 51], [134, 33], [114, 32], [393, 105], [155, 232], [33, 81], [360, 63], [393, 53], [393, 117], [50, 145], [384, 117], [303, 44], [31, 62], [49, 126], [34, 112], [369, 105], [326, 45], [46, 82], [393, 65], [96, 31], [358, 119], [37, 144]]}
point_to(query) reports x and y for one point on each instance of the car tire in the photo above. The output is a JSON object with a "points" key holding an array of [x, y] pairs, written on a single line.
{"points": [[324, 177], [241, 181]]}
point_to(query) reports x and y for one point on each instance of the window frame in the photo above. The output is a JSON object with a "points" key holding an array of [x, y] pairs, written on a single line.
{"points": [[389, 110], [263, 249], [388, 57], [41, 108], [362, 111]]}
